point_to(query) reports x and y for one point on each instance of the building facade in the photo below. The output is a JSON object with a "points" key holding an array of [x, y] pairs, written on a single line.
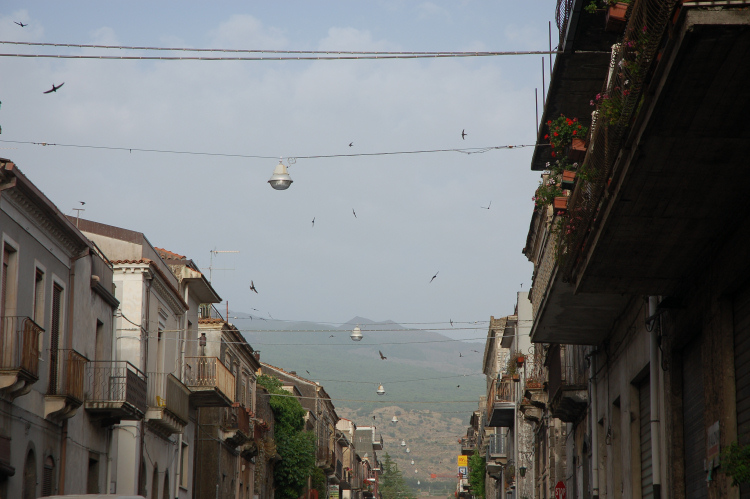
{"points": [[57, 305]]}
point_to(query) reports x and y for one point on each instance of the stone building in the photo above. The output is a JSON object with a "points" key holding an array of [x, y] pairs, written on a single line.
{"points": [[641, 285], [157, 332], [57, 304]]}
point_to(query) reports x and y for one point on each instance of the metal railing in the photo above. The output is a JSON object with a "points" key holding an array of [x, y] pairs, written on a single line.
{"points": [[567, 369], [562, 15], [167, 392], [502, 390], [236, 418], [71, 367], [19, 345], [468, 442], [497, 446], [116, 381], [617, 105], [209, 372]]}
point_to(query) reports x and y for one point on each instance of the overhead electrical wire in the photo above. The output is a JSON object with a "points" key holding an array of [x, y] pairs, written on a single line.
{"points": [[398, 381], [466, 150], [270, 51]]}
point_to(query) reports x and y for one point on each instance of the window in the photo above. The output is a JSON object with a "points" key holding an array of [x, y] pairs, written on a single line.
{"points": [[184, 461], [10, 266], [39, 297], [92, 483], [54, 341], [48, 478]]}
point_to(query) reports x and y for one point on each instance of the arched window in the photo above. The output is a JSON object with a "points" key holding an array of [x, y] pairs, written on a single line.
{"points": [[48, 478], [29, 476]]}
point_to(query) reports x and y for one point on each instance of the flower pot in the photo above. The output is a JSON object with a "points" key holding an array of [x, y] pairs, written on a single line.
{"points": [[561, 204], [520, 360], [516, 378], [532, 385], [568, 180], [616, 17], [577, 150]]}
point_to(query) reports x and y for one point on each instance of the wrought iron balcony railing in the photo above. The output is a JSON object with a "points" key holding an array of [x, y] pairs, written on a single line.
{"points": [[166, 393], [211, 383], [497, 446], [115, 389], [68, 380], [19, 346]]}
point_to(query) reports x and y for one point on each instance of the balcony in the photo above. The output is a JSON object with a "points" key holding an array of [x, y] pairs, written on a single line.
{"points": [[497, 453], [19, 355], [115, 390], [665, 200], [210, 383], [567, 383], [65, 390], [235, 425], [501, 405], [168, 403], [468, 444]]}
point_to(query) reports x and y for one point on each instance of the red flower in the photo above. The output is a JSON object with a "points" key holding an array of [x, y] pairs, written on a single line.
{"points": [[553, 154], [570, 122], [575, 132], [556, 134], [549, 122], [546, 136], [575, 119]]}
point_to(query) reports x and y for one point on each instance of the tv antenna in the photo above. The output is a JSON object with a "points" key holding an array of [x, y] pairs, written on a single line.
{"points": [[78, 214], [211, 267]]}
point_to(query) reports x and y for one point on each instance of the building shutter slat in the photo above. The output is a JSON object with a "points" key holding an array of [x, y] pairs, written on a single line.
{"points": [[693, 421]]}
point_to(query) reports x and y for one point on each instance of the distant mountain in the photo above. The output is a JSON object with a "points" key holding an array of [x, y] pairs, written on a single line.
{"points": [[432, 381]]}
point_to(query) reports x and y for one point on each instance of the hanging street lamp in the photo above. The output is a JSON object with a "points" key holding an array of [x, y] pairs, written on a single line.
{"points": [[394, 420], [356, 334], [381, 390], [280, 180]]}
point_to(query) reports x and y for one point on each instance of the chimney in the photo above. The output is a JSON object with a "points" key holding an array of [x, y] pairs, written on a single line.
{"points": [[257, 356], [293, 372]]}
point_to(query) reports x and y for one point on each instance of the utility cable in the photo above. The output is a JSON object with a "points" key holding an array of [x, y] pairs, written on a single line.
{"points": [[468, 151]]}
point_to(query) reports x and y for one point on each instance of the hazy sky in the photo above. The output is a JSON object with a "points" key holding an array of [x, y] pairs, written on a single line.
{"points": [[416, 214]]}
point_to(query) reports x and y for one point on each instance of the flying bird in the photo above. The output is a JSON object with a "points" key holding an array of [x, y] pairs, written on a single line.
{"points": [[351, 144], [313, 223], [433, 277], [308, 372], [355, 213], [486, 207], [477, 351], [458, 386], [21, 24], [463, 134], [460, 354], [252, 288], [332, 336], [54, 88], [451, 322], [82, 202], [382, 357]]}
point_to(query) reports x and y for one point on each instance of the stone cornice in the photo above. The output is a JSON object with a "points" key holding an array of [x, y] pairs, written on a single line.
{"points": [[45, 223]]}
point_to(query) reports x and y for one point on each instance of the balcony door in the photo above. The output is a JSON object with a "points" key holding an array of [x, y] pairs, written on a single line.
{"points": [[54, 340]]}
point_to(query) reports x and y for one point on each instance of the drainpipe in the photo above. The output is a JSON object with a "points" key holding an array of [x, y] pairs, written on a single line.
{"points": [[594, 430], [69, 344], [654, 388]]}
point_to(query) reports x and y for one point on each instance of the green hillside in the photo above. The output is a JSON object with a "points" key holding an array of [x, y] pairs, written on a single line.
{"points": [[432, 383]]}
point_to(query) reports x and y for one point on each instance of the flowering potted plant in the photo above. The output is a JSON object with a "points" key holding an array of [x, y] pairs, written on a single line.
{"points": [[615, 12], [610, 106], [563, 131], [546, 193]]}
